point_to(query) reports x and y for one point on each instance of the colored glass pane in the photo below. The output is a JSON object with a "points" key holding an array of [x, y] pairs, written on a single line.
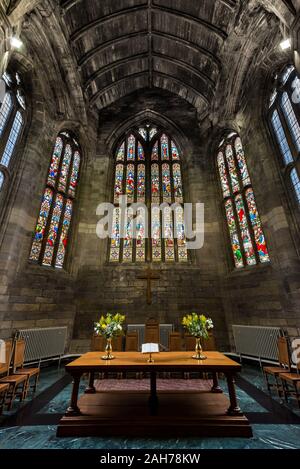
{"points": [[152, 132], [141, 154], [1, 179], [63, 241], [121, 152], [174, 151], [177, 181], [164, 143], [115, 236], [53, 230], [156, 234], [143, 132], [41, 225], [155, 183], [257, 228], [130, 183], [232, 169], [5, 110], [118, 182], [245, 234], [168, 234], [235, 243], [240, 155], [12, 139], [223, 175], [141, 188], [140, 235], [286, 74], [166, 183], [54, 165], [131, 148], [128, 241], [281, 138], [154, 156], [74, 174], [65, 168], [180, 234]]}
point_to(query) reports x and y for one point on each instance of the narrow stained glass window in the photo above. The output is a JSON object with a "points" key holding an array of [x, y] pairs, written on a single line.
{"points": [[1, 180], [150, 174], [245, 229], [53, 230], [281, 138], [12, 139], [291, 119], [141, 183], [53, 226], [54, 165], [119, 182], [130, 183], [5, 111], [62, 246], [296, 183], [131, 148], [166, 183], [121, 152], [164, 142]]}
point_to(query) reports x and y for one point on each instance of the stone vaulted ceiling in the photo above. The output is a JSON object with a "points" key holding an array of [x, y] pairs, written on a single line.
{"points": [[124, 45]]}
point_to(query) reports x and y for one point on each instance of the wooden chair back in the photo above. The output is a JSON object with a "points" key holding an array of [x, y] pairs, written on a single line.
{"points": [[152, 331], [284, 353], [189, 342], [117, 343], [18, 358], [209, 344], [98, 343], [4, 367], [174, 341], [131, 341]]}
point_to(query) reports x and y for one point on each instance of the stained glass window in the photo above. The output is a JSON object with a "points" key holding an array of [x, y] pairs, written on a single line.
{"points": [[151, 174], [5, 111], [284, 122], [244, 226], [12, 139], [52, 231]]}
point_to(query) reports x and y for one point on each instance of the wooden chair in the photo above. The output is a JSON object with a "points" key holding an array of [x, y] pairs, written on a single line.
{"points": [[3, 393], [289, 380], [152, 331], [131, 341], [284, 366], [175, 342], [19, 369], [210, 343], [17, 383]]}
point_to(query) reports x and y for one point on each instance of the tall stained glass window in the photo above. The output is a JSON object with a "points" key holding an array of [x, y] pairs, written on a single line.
{"points": [[12, 120], [148, 170], [284, 119], [52, 231], [244, 225]]}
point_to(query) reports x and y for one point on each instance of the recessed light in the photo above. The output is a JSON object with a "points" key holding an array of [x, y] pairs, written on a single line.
{"points": [[16, 42], [286, 44]]}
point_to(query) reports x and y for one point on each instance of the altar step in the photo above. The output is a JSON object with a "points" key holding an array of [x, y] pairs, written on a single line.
{"points": [[178, 414]]}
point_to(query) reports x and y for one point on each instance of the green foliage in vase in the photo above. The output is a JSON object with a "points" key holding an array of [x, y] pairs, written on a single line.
{"points": [[110, 325], [197, 325]]}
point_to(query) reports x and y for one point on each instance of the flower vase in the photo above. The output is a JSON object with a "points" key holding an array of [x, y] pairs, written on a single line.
{"points": [[198, 350], [108, 350]]}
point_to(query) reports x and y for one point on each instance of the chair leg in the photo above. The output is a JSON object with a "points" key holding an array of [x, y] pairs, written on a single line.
{"points": [[278, 387], [285, 389], [297, 395], [35, 384], [267, 381], [12, 397]]}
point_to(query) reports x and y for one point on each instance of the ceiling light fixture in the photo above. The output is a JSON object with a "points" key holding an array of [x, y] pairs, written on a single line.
{"points": [[286, 44], [16, 42]]}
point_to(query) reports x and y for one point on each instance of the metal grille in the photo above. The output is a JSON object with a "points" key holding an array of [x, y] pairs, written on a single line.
{"points": [[257, 341], [43, 343], [164, 331]]}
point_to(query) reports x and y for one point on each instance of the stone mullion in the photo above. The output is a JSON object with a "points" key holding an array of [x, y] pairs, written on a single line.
{"points": [[124, 192], [160, 163], [176, 257], [148, 198], [8, 126]]}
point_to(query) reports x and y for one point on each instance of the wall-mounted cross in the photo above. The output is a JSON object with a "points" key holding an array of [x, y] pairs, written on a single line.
{"points": [[149, 275]]}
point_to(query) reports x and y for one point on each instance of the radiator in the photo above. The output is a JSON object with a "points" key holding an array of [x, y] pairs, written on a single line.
{"points": [[164, 331], [43, 343], [257, 341]]}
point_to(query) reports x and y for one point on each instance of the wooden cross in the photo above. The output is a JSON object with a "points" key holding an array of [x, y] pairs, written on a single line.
{"points": [[149, 275]]}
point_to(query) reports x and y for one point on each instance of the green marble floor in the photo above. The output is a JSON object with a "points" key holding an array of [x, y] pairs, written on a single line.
{"points": [[32, 424]]}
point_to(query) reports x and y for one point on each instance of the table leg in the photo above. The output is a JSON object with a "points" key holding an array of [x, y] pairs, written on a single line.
{"points": [[91, 388], [216, 387], [73, 409], [153, 400], [234, 408]]}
